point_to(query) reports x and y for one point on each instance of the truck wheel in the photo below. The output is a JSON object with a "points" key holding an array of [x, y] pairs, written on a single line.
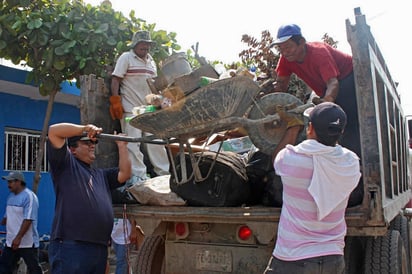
{"points": [[354, 254], [401, 224], [150, 258], [386, 254]]}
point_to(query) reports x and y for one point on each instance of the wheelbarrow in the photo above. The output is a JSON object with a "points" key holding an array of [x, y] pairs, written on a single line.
{"points": [[222, 105]]}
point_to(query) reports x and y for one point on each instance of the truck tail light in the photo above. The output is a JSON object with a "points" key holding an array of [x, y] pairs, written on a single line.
{"points": [[181, 230], [244, 233]]}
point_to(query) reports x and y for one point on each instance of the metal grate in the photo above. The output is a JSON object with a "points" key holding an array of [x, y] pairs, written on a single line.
{"points": [[21, 150]]}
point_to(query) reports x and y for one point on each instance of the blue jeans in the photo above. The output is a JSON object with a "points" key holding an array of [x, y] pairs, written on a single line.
{"points": [[76, 257], [10, 257], [121, 257], [332, 264]]}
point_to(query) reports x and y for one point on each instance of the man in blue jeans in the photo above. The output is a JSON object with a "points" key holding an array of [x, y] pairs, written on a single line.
{"points": [[22, 238], [83, 218], [123, 234]]}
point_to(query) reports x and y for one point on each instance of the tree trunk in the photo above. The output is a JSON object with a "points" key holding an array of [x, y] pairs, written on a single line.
{"points": [[94, 109], [40, 152]]}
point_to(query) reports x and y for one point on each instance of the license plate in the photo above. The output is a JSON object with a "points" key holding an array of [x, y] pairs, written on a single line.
{"points": [[214, 260]]}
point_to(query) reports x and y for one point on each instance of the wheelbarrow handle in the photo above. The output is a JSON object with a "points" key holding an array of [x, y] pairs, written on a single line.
{"points": [[112, 137], [300, 109]]}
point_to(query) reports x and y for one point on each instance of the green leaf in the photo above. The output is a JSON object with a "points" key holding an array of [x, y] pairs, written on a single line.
{"points": [[68, 45], [102, 28], [59, 51], [59, 64], [67, 35], [123, 27], [43, 91], [111, 41], [16, 25], [3, 44], [35, 24], [42, 39], [82, 63], [49, 58], [57, 43]]}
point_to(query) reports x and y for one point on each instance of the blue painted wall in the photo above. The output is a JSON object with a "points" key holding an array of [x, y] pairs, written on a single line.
{"points": [[23, 112]]}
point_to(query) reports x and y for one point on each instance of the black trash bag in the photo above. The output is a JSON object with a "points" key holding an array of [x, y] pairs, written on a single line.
{"points": [[226, 185], [258, 168], [121, 195], [272, 195]]}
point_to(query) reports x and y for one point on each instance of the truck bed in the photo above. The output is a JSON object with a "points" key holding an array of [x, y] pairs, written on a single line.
{"points": [[356, 217]]}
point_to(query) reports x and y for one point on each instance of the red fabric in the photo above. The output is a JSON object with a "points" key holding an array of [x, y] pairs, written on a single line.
{"points": [[322, 62]]}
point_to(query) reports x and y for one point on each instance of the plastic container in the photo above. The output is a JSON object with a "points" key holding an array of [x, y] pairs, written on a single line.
{"points": [[204, 81], [139, 110], [150, 108], [174, 66]]}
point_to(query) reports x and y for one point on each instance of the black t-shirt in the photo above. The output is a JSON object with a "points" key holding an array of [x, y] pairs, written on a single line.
{"points": [[83, 210]]}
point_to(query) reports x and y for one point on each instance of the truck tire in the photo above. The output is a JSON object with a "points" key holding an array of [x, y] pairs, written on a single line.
{"points": [[150, 258], [385, 254], [401, 224], [354, 254]]}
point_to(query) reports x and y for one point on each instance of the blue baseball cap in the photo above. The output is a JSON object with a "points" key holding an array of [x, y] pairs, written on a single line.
{"points": [[285, 32]]}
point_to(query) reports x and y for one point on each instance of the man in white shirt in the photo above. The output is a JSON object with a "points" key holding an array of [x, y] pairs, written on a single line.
{"points": [[129, 89], [22, 238]]}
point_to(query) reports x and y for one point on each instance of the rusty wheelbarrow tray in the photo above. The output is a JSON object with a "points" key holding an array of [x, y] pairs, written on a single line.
{"points": [[222, 105], [208, 108]]}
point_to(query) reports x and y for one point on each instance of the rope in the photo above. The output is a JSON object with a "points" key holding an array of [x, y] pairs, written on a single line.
{"points": [[126, 236]]}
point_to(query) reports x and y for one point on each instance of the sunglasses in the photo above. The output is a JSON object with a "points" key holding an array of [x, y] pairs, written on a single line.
{"points": [[90, 142]]}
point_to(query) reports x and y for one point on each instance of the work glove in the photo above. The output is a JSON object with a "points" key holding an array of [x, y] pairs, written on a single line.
{"points": [[116, 108], [317, 100], [292, 120]]}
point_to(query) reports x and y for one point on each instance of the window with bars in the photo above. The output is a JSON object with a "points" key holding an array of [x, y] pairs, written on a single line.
{"points": [[21, 150]]}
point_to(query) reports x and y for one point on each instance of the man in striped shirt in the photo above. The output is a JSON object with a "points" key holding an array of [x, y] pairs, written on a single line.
{"points": [[129, 89], [22, 238], [318, 176]]}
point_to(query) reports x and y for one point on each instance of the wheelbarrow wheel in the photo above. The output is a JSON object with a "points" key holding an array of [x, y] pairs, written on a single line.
{"points": [[266, 136]]}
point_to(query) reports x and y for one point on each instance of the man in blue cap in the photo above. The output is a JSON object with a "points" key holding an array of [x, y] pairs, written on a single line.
{"points": [[22, 238], [326, 70], [329, 73]]}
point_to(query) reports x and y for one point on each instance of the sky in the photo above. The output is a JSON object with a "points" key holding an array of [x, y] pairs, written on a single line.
{"points": [[218, 25]]}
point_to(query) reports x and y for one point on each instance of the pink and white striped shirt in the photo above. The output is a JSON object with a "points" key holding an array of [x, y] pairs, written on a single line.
{"points": [[301, 234]]}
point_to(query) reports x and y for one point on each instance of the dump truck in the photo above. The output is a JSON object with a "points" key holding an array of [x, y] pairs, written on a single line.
{"points": [[189, 239]]}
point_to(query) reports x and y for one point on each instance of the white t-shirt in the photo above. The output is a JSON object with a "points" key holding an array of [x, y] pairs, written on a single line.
{"points": [[121, 231], [134, 71], [20, 207]]}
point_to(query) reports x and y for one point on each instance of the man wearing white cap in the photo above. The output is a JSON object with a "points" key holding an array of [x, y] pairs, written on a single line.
{"points": [[129, 89], [22, 238]]}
